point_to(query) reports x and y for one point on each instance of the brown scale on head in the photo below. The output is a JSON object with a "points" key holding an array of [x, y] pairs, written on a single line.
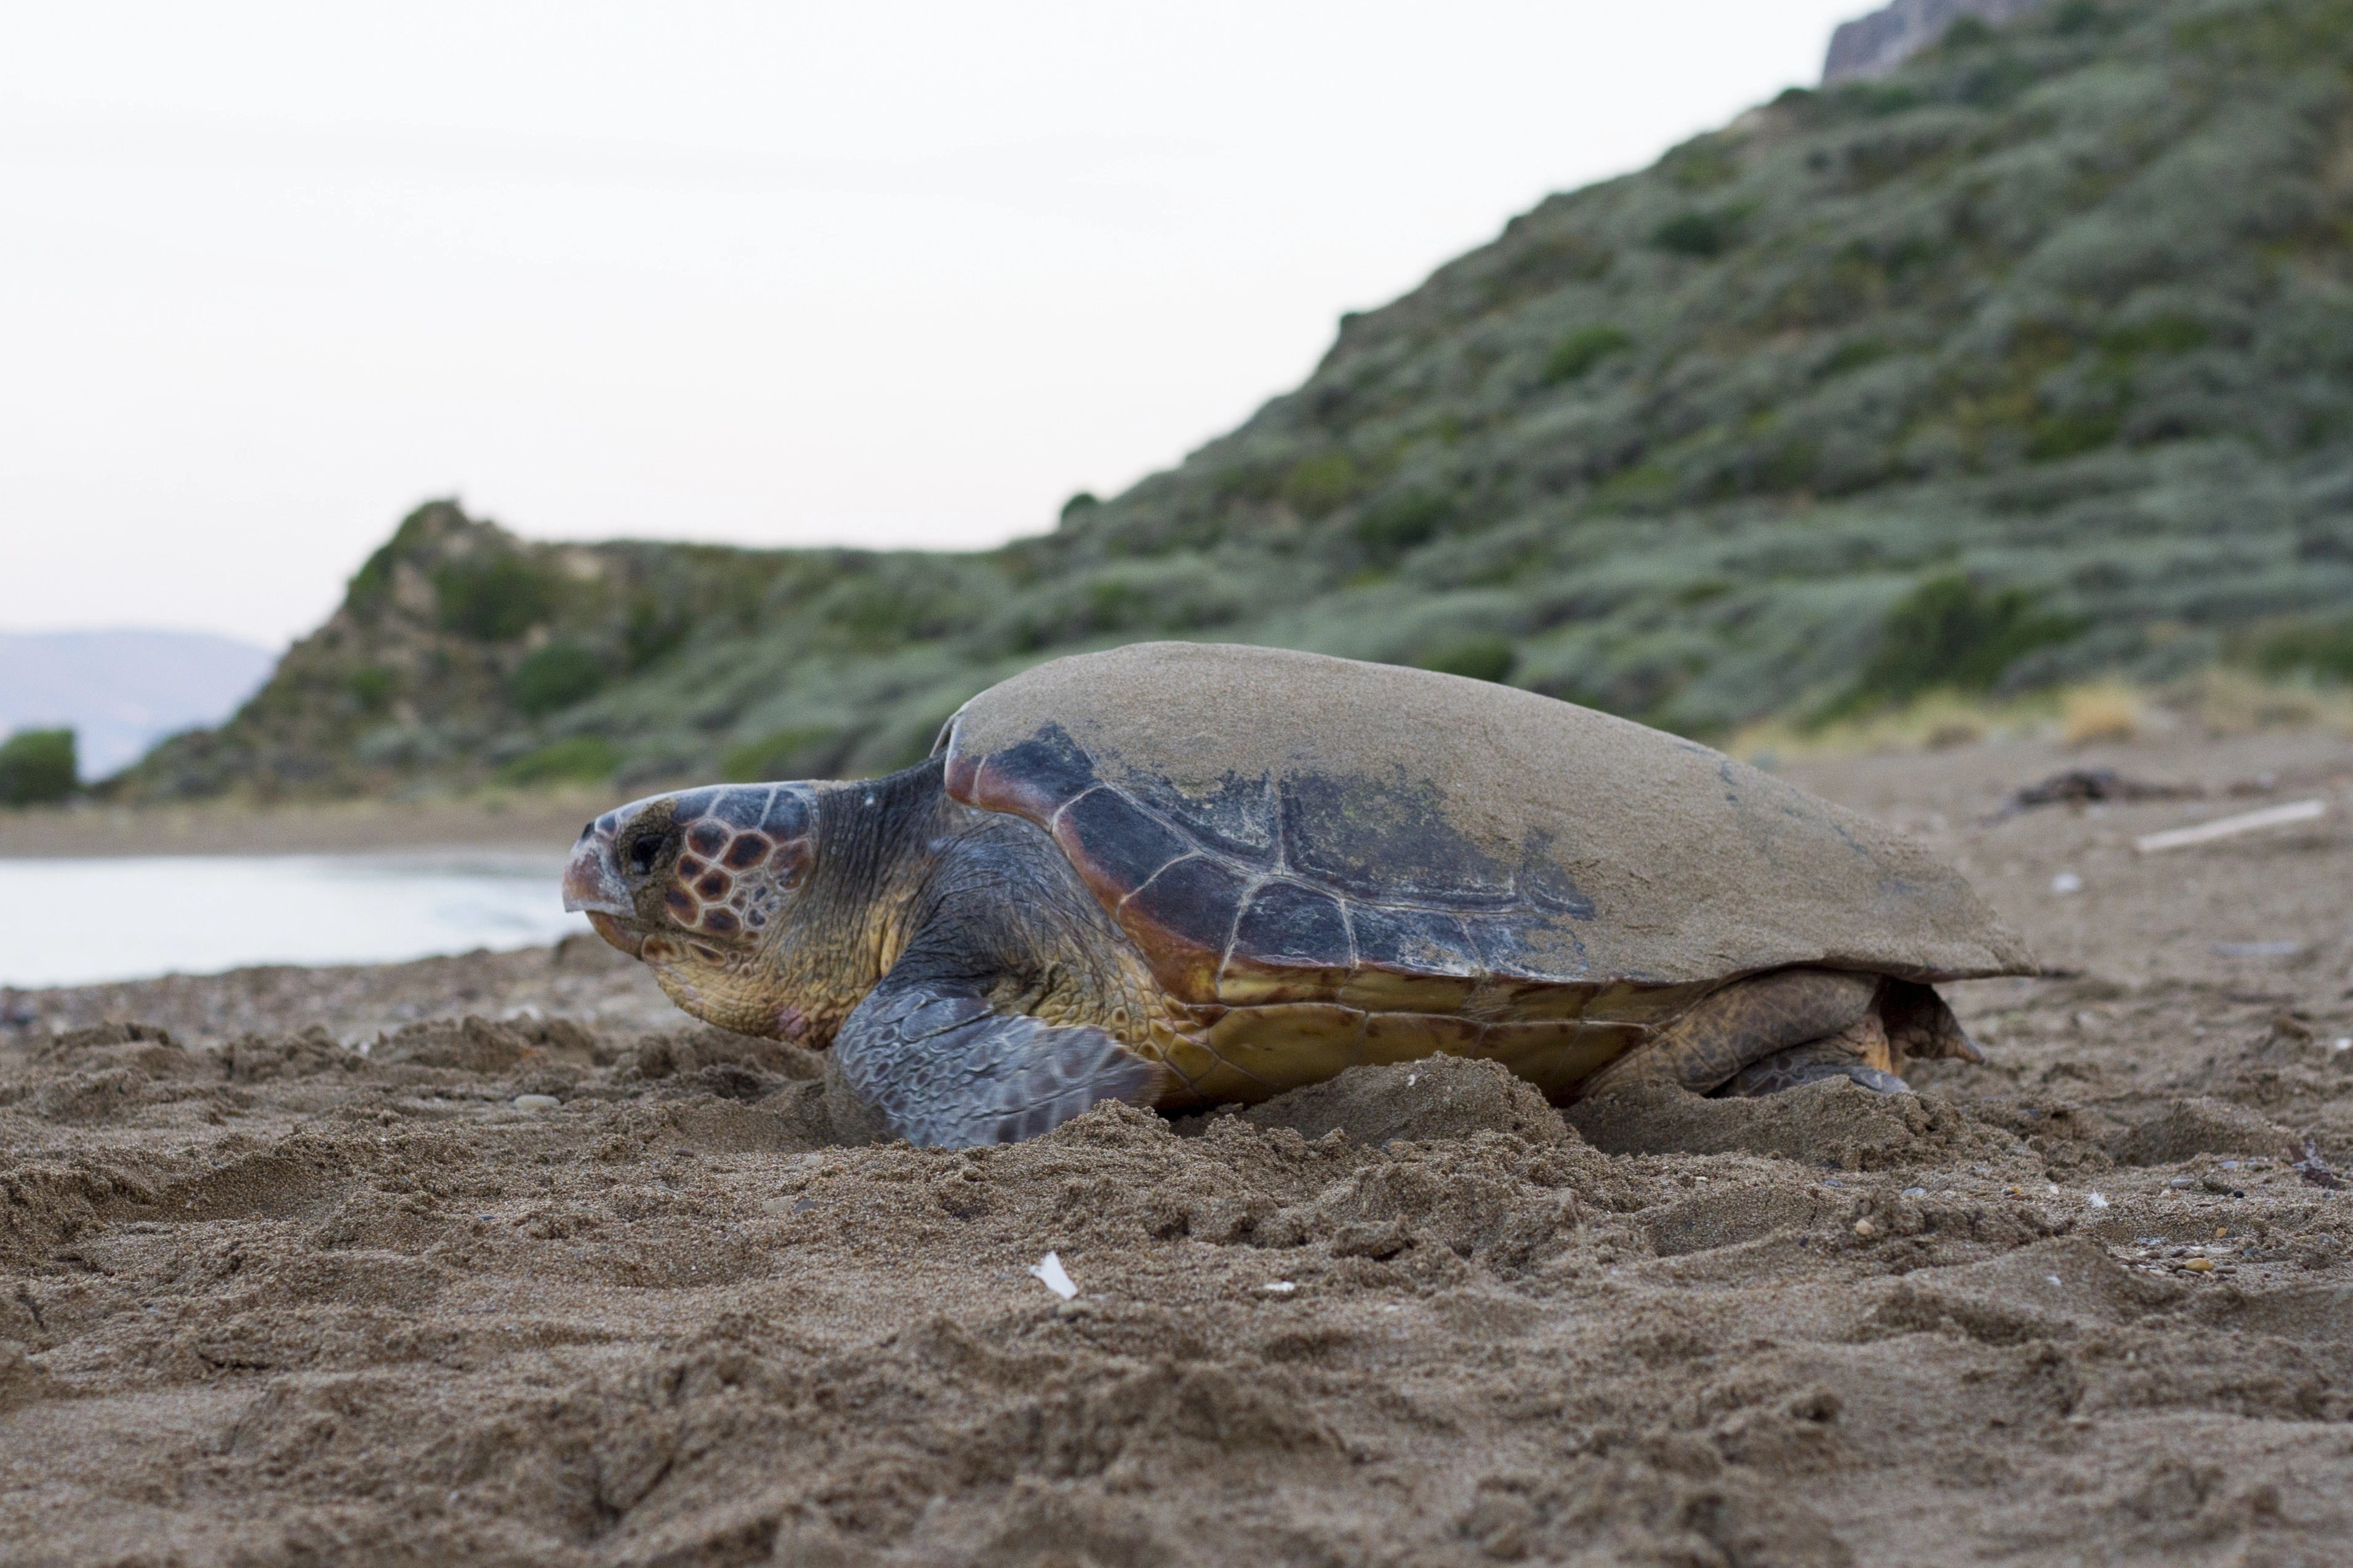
{"points": [[711, 889]]}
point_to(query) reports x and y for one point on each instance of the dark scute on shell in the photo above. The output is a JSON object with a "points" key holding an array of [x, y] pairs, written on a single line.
{"points": [[1194, 901], [1043, 774], [1286, 923], [1505, 946], [1386, 839], [1236, 817], [1545, 885], [1114, 840], [1412, 942]]}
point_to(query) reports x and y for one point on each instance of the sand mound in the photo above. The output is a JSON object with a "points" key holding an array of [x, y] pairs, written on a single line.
{"points": [[1444, 1096], [2053, 1291], [478, 1046], [1834, 1125], [2185, 1129]]}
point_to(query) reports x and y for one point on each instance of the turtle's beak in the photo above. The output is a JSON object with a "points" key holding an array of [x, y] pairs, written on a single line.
{"points": [[593, 886]]}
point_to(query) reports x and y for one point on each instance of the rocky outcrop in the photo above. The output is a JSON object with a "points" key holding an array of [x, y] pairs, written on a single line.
{"points": [[1874, 45]]}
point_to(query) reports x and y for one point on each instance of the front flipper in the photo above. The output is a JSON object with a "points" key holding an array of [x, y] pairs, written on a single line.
{"points": [[944, 1070]]}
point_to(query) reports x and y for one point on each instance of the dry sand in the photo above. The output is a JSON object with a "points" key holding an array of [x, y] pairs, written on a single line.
{"points": [[265, 1299]]}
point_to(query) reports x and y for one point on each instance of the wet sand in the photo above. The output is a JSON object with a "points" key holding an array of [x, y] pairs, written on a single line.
{"points": [[579, 1282]]}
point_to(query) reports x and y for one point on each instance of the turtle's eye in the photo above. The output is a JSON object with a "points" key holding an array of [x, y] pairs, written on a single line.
{"points": [[645, 851]]}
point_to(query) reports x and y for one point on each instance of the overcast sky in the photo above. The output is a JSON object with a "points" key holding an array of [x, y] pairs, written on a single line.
{"points": [[773, 273]]}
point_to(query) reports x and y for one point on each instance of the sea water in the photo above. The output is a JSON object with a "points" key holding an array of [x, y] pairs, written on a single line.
{"points": [[70, 923]]}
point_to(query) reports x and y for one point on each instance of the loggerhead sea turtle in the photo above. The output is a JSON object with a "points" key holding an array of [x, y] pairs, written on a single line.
{"points": [[1179, 874]]}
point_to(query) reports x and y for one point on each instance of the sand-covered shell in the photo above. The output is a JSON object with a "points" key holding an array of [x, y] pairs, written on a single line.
{"points": [[1273, 827]]}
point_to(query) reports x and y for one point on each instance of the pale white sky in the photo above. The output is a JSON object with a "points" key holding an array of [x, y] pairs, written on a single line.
{"points": [[773, 273]]}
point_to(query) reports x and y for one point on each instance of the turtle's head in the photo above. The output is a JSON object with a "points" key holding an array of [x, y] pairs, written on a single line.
{"points": [[700, 885]]}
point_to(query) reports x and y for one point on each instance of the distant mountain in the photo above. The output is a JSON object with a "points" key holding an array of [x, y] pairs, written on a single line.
{"points": [[1874, 45], [122, 691], [2028, 361]]}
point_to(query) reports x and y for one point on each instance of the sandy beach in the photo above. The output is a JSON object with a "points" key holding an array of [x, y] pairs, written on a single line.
{"points": [[548, 1274]]}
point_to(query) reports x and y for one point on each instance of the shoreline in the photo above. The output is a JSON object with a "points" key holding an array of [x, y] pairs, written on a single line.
{"points": [[524, 823]]}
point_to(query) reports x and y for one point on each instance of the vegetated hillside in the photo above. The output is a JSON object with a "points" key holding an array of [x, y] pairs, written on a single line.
{"points": [[2031, 361]]}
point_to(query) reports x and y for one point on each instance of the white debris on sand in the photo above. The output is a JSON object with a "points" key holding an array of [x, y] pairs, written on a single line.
{"points": [[1049, 1272]]}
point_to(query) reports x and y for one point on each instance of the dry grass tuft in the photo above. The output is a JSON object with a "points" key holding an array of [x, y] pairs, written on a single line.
{"points": [[2227, 701], [1934, 721], [2220, 701], [2109, 710]]}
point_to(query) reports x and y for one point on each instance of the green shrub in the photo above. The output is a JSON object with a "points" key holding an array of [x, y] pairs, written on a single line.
{"points": [[371, 585], [2069, 431], [575, 759], [372, 686], [1480, 658], [555, 677], [1114, 603], [2162, 334], [1644, 484], [1395, 527], [1320, 484], [1085, 500], [37, 766], [2077, 17], [1948, 631], [1700, 232], [809, 752], [1581, 351], [651, 629], [1851, 355], [1702, 163], [1965, 34], [492, 600], [1879, 100], [2318, 649]]}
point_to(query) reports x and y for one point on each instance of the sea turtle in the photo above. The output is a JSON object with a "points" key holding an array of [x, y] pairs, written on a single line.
{"points": [[1178, 874]]}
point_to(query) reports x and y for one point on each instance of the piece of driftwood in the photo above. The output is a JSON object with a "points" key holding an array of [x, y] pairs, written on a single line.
{"points": [[2231, 827]]}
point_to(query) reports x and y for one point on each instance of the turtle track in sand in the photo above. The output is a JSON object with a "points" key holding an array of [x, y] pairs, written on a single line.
{"points": [[265, 1298]]}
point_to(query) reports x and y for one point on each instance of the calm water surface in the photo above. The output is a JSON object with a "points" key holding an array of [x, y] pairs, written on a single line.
{"points": [[69, 922]]}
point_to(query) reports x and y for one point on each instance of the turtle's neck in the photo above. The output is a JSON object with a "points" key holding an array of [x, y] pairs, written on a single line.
{"points": [[877, 840]]}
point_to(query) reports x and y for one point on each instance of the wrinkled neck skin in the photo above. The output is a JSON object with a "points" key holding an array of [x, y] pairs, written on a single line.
{"points": [[876, 843]]}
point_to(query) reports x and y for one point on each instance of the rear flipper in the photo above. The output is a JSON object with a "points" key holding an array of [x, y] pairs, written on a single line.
{"points": [[1859, 1054], [1792, 1026], [944, 1070]]}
